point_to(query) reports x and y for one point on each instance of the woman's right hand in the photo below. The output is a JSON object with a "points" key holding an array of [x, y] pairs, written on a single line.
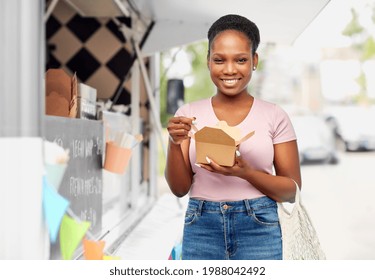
{"points": [[179, 128]]}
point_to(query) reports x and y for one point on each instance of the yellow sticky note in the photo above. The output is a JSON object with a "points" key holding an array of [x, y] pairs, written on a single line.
{"points": [[71, 234], [111, 258]]}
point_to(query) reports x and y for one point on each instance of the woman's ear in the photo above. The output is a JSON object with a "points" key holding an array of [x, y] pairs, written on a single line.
{"points": [[255, 60]]}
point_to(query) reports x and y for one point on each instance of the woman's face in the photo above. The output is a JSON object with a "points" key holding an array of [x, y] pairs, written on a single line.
{"points": [[231, 62]]}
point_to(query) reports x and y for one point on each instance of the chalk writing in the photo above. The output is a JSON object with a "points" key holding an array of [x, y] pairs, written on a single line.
{"points": [[89, 144], [79, 186], [89, 215], [59, 142]]}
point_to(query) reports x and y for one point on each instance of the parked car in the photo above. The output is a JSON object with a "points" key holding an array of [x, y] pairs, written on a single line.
{"points": [[316, 141], [354, 126]]}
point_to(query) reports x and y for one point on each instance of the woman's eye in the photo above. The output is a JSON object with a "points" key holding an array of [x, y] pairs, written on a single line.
{"points": [[242, 60], [217, 60]]}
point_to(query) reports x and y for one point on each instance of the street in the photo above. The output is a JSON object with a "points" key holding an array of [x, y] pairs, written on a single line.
{"points": [[340, 201]]}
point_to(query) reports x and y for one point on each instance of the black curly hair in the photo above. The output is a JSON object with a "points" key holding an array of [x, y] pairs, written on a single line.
{"points": [[235, 22]]}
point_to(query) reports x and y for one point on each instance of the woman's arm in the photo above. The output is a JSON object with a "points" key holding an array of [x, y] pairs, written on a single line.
{"points": [[280, 187], [178, 171]]}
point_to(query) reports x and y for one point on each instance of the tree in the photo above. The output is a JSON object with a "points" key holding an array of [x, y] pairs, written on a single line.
{"points": [[201, 86], [364, 43]]}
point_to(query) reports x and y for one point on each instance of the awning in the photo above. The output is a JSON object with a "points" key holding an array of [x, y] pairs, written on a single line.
{"points": [[179, 22]]}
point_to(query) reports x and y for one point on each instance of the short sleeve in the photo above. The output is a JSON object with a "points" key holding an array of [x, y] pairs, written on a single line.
{"points": [[283, 128]]}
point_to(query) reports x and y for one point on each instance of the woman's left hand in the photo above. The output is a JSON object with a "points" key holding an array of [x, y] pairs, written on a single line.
{"points": [[239, 169]]}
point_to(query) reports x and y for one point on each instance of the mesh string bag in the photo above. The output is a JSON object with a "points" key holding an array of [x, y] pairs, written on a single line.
{"points": [[300, 239]]}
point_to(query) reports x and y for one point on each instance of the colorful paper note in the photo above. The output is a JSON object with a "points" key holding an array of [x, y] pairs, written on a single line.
{"points": [[111, 258], [54, 208], [93, 250], [177, 252], [71, 234], [55, 174]]}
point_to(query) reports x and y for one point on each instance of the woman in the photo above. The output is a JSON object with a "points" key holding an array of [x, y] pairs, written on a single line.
{"points": [[232, 211]]}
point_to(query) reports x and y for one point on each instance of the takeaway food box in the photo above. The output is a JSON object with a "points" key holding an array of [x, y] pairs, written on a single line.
{"points": [[219, 143], [66, 97]]}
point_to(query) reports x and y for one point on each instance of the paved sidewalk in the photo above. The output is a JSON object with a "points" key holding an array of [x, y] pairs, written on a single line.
{"points": [[155, 236]]}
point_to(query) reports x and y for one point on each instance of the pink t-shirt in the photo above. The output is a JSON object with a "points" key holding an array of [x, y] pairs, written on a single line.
{"points": [[271, 125]]}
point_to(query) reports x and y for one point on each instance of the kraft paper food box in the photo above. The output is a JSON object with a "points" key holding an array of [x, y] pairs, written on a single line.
{"points": [[218, 143], [61, 93]]}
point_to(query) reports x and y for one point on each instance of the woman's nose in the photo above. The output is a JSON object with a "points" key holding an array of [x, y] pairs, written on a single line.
{"points": [[229, 68]]}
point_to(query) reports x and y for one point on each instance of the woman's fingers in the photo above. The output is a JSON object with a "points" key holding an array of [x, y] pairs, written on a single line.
{"points": [[178, 128], [236, 170]]}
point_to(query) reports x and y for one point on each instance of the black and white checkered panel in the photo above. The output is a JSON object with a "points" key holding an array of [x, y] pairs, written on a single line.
{"points": [[93, 48]]}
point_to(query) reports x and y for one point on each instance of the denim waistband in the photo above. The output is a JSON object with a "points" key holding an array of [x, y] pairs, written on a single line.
{"points": [[248, 205]]}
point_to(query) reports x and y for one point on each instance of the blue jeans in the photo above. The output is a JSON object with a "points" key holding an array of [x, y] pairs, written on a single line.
{"points": [[236, 230]]}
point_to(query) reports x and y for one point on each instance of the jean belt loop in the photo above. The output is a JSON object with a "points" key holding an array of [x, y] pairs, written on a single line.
{"points": [[200, 206], [248, 207]]}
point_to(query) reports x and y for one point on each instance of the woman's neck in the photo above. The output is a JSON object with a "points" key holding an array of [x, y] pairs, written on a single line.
{"points": [[232, 109]]}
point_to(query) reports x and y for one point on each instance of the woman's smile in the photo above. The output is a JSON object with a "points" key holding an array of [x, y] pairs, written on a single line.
{"points": [[230, 82]]}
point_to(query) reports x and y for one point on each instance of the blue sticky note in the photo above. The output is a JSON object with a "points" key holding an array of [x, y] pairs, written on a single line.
{"points": [[54, 208]]}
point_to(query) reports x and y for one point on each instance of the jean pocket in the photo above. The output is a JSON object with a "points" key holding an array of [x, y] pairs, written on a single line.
{"points": [[190, 215], [266, 216]]}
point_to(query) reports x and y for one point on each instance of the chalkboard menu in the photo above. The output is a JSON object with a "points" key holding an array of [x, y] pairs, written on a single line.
{"points": [[82, 184]]}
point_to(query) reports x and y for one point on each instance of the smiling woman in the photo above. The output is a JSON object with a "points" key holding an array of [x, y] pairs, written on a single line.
{"points": [[231, 67], [232, 210]]}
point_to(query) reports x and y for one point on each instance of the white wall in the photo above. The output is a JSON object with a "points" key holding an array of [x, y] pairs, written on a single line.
{"points": [[22, 230]]}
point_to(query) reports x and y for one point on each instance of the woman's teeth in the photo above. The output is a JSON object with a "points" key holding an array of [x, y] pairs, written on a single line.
{"points": [[230, 82]]}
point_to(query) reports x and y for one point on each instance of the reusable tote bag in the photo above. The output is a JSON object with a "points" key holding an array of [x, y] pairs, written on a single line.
{"points": [[300, 240]]}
